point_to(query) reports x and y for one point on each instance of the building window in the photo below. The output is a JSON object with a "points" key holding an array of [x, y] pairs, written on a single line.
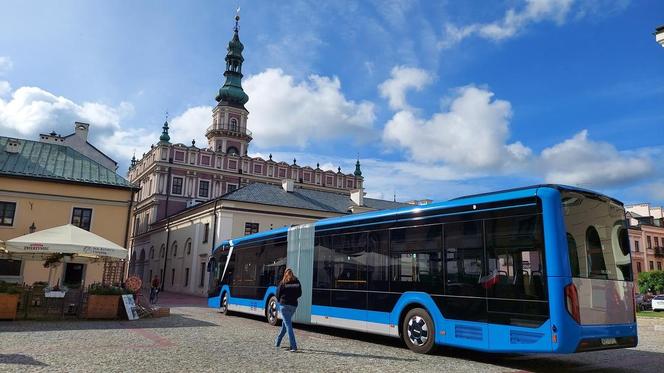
{"points": [[659, 266], [203, 188], [656, 241], [162, 252], [258, 169], [230, 187], [638, 267], [648, 243], [176, 188], [233, 124], [7, 212], [81, 218], [202, 278], [189, 247], [172, 276], [186, 277], [137, 225], [636, 246], [250, 228], [10, 269], [175, 249], [179, 156], [232, 151], [206, 232], [152, 252], [651, 265]]}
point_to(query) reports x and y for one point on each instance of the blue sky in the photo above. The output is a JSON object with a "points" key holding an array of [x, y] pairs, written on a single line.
{"points": [[439, 99]]}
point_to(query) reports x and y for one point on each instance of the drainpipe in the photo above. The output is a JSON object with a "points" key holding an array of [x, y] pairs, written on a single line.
{"points": [[131, 205], [168, 223]]}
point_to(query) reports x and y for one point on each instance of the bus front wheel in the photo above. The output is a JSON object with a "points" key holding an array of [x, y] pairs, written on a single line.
{"points": [[223, 306], [418, 331], [271, 311]]}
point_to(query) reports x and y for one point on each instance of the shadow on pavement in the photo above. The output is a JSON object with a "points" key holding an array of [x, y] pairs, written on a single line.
{"points": [[172, 321], [20, 360], [348, 354]]}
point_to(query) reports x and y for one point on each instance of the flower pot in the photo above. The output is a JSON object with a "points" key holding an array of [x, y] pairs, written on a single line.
{"points": [[103, 306], [8, 306]]}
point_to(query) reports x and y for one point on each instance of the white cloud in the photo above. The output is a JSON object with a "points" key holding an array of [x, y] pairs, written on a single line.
{"points": [[6, 64], [402, 80], [472, 135], [286, 112], [29, 111], [583, 162], [5, 88], [191, 125], [513, 22]]}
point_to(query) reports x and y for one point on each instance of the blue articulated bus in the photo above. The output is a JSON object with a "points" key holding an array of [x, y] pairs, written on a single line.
{"points": [[539, 269]]}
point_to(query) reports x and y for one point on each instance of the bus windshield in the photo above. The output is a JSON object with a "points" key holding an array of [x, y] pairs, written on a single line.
{"points": [[596, 237]]}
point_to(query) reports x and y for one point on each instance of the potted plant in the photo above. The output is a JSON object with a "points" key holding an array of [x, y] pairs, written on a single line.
{"points": [[103, 301], [8, 300]]}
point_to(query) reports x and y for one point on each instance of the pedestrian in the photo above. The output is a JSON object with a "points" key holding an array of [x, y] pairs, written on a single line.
{"points": [[154, 290], [288, 292]]}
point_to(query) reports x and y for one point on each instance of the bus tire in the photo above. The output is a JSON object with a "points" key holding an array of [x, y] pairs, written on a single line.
{"points": [[271, 312], [223, 304], [418, 332]]}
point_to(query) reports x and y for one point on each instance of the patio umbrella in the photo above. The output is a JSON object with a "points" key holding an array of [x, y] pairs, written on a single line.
{"points": [[66, 239]]}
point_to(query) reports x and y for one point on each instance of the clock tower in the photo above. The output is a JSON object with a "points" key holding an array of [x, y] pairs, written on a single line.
{"points": [[228, 133]]}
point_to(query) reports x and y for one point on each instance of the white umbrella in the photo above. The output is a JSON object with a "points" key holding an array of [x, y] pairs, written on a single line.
{"points": [[66, 239]]}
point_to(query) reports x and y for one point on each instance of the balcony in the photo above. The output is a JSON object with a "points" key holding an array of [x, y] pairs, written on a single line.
{"points": [[227, 130]]}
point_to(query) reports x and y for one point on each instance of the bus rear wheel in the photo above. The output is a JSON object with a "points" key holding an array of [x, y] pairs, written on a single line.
{"points": [[271, 312], [223, 305], [418, 331]]}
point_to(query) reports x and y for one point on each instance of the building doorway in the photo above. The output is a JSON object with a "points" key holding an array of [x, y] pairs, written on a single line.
{"points": [[73, 276]]}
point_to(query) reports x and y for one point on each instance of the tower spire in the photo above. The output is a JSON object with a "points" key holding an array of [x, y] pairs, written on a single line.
{"points": [[165, 138], [232, 92], [358, 171]]}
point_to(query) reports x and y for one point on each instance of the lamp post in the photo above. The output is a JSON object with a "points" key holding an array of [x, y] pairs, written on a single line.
{"points": [[659, 35]]}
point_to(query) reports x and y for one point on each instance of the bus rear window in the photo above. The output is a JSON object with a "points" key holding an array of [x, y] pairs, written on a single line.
{"points": [[596, 237]]}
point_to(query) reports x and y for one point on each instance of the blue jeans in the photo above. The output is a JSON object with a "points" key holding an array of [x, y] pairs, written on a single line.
{"points": [[287, 313]]}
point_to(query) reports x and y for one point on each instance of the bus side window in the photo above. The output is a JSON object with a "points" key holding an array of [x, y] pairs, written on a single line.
{"points": [[515, 256]]}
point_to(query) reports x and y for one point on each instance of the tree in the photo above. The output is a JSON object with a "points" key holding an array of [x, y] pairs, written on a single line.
{"points": [[651, 282]]}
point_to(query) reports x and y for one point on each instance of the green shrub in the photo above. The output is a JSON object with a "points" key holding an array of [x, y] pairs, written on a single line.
{"points": [[102, 289], [9, 288]]}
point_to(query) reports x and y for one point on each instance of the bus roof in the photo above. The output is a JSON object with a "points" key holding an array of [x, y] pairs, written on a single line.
{"points": [[501, 195]]}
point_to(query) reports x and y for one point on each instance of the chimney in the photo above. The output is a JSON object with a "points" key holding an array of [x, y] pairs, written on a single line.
{"points": [[357, 196], [81, 130], [13, 146], [287, 184]]}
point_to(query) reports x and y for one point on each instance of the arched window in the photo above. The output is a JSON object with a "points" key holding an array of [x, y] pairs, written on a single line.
{"points": [[188, 246], [232, 150], [175, 248], [162, 250], [152, 252], [141, 258], [233, 124]]}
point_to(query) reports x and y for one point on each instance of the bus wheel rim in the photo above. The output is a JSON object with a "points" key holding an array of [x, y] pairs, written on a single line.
{"points": [[224, 302], [418, 331], [272, 310]]}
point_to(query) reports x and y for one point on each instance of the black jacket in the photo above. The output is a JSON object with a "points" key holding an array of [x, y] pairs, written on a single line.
{"points": [[289, 292]]}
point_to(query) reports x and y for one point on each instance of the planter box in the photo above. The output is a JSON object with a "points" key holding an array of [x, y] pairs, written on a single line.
{"points": [[103, 306], [8, 306]]}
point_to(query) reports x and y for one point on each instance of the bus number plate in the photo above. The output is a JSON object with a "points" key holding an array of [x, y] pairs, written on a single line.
{"points": [[609, 341]]}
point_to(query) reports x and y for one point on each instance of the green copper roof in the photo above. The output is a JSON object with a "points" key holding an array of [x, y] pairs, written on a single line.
{"points": [[358, 172], [58, 162], [232, 91], [164, 133]]}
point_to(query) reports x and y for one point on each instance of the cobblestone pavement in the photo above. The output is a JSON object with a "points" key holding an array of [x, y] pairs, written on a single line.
{"points": [[195, 338]]}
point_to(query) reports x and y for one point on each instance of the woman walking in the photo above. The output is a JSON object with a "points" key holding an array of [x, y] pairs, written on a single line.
{"points": [[287, 294]]}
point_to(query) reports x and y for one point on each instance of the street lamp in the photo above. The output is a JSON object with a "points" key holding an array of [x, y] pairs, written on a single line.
{"points": [[659, 35]]}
